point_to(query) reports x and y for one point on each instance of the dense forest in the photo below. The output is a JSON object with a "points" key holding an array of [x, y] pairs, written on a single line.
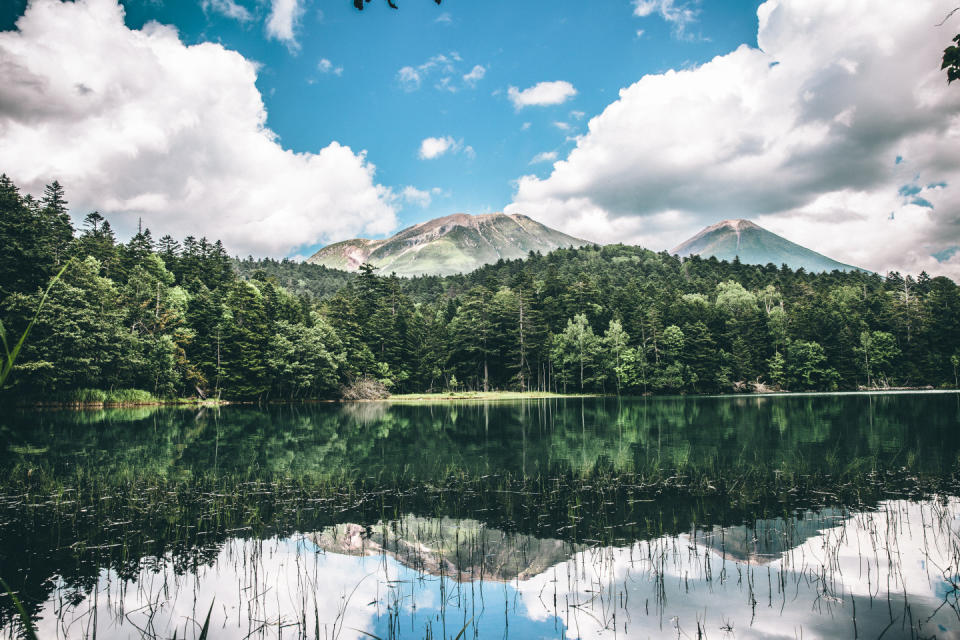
{"points": [[183, 318]]}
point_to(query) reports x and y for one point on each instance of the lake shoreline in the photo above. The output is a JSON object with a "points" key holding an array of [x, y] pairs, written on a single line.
{"points": [[126, 405], [460, 396], [485, 395]]}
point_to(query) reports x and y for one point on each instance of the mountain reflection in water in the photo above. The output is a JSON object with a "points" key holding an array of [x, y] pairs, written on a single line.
{"points": [[890, 571]]}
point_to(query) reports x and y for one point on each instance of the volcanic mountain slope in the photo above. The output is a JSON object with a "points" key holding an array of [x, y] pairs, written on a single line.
{"points": [[458, 243], [755, 245]]}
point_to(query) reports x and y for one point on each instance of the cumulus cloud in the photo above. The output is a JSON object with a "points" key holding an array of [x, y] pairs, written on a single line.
{"points": [[803, 135], [325, 66], [173, 133], [228, 8], [431, 148], [283, 21], [541, 94], [544, 156]]}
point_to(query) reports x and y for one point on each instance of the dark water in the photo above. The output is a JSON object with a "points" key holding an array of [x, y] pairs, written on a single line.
{"points": [[827, 516]]}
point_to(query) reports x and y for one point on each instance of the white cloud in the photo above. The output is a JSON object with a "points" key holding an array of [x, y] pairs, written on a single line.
{"points": [[172, 133], [412, 195], [563, 126], [678, 14], [801, 138], [228, 8], [577, 115], [443, 66], [283, 21], [408, 78], [525, 126], [476, 74], [325, 66], [446, 84], [444, 18], [541, 94], [639, 33], [544, 156], [431, 148]]}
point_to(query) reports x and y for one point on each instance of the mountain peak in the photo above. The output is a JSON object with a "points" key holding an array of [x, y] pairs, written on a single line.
{"points": [[752, 244], [456, 243], [737, 224]]}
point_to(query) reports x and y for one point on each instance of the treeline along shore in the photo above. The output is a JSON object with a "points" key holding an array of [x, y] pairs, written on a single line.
{"points": [[182, 319]]}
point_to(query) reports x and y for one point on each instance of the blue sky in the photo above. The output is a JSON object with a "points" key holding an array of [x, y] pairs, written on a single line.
{"points": [[708, 121], [592, 45]]}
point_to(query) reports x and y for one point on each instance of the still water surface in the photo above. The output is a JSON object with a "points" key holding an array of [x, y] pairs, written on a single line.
{"points": [[734, 517]]}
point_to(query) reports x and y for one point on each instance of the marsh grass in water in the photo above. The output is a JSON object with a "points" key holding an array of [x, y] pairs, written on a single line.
{"points": [[826, 574]]}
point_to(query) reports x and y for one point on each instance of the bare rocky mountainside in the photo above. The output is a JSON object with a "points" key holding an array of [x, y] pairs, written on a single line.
{"points": [[755, 245], [458, 243]]}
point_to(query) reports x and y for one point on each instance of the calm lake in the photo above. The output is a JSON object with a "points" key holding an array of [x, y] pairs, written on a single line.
{"points": [[821, 516]]}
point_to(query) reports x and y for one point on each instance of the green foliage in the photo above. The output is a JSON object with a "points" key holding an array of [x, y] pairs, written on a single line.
{"points": [[615, 343], [303, 361], [34, 235], [806, 368], [113, 396], [577, 351], [242, 342], [358, 4], [778, 369], [878, 350], [180, 318], [78, 334], [734, 299], [672, 342], [11, 354], [951, 60]]}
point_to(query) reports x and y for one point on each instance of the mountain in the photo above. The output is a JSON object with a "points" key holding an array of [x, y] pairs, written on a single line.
{"points": [[458, 243], [755, 245]]}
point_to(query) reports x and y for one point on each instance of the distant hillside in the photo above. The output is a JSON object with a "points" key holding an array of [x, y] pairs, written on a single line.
{"points": [[755, 245], [457, 243]]}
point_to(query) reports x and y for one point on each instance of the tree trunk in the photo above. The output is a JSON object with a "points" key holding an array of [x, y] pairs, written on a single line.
{"points": [[522, 354]]}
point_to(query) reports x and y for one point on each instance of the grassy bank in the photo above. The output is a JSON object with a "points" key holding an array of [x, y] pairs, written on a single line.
{"points": [[482, 395], [95, 398]]}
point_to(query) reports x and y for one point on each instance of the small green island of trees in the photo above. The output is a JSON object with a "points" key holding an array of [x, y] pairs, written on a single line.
{"points": [[176, 319]]}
